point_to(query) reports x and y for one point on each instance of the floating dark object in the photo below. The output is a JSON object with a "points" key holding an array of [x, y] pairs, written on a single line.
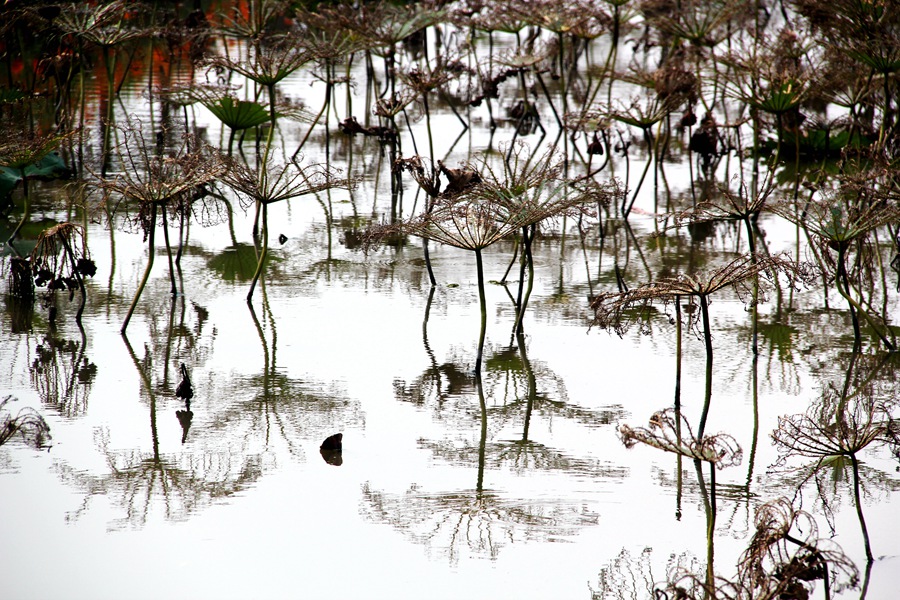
{"points": [[184, 390], [331, 450], [350, 126], [332, 443], [282, 239]]}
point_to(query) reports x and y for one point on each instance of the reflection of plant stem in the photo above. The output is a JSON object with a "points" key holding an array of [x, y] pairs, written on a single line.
{"points": [[753, 443], [483, 305], [527, 236], [145, 379], [112, 250], [704, 309], [434, 365], [678, 457], [165, 224], [265, 346], [26, 212], [709, 505], [532, 384], [78, 278], [678, 357], [855, 308], [865, 586], [151, 241], [479, 488]]}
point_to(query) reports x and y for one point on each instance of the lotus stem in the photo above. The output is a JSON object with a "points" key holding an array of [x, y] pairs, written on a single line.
{"points": [[707, 337], [151, 238], [859, 512], [262, 253]]}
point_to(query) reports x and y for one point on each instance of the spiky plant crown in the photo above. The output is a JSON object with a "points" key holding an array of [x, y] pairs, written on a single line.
{"points": [[275, 182], [618, 311]]}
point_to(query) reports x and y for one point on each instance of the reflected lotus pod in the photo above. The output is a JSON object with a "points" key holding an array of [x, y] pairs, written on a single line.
{"points": [[669, 431]]}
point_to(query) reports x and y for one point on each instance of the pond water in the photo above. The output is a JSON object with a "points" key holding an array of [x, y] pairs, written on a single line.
{"points": [[512, 483]]}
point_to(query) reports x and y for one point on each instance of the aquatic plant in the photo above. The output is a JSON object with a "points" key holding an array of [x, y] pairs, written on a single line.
{"points": [[487, 212], [21, 151], [842, 213], [616, 311], [670, 431], [784, 559], [268, 183], [237, 115], [61, 260], [267, 64], [837, 426], [156, 180], [27, 422]]}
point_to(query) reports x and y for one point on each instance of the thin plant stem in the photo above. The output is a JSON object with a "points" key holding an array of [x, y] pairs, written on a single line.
{"points": [[483, 305], [859, 512], [263, 251], [707, 337], [151, 242]]}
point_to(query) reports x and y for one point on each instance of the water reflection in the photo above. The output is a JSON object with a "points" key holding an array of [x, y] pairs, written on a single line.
{"points": [[63, 374], [479, 519], [512, 392], [847, 418]]}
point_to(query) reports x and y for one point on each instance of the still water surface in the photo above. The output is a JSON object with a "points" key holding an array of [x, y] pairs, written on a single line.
{"points": [[522, 491]]}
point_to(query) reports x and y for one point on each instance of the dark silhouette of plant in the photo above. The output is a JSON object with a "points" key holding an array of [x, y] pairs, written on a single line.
{"points": [[484, 213], [108, 27], [19, 150], [154, 181], [269, 183], [777, 563], [842, 213], [237, 115], [839, 425], [253, 23], [670, 431], [667, 434], [269, 62], [61, 260], [772, 77], [62, 374], [27, 422], [617, 311]]}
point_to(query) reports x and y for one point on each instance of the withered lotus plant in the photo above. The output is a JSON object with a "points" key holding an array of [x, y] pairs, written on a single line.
{"points": [[843, 215], [268, 183], [27, 422], [836, 428], [618, 311], [19, 150], [61, 260], [152, 180], [784, 559], [670, 431], [483, 214]]}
